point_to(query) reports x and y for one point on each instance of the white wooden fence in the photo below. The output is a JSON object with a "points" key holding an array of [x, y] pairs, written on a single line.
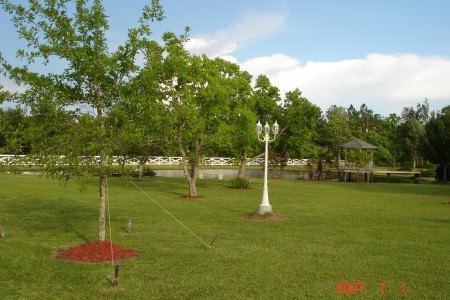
{"points": [[25, 160]]}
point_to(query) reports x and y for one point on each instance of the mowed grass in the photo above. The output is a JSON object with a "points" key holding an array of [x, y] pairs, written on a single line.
{"points": [[334, 232]]}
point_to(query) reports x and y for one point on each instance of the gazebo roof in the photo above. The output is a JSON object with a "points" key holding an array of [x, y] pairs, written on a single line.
{"points": [[357, 143]]}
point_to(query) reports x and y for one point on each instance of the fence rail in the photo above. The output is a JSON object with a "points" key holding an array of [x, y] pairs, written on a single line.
{"points": [[25, 160]]}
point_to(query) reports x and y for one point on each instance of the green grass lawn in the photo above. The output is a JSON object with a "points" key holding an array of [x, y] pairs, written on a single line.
{"points": [[334, 232]]}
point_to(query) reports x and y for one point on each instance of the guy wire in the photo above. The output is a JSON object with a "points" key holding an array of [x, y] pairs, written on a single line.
{"points": [[21, 220], [209, 246]]}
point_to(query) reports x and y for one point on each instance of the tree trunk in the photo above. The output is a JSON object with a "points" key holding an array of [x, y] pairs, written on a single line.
{"points": [[301, 168], [142, 161], [103, 183], [101, 217], [123, 163], [141, 171], [191, 173], [192, 183], [444, 177], [244, 161], [243, 166]]}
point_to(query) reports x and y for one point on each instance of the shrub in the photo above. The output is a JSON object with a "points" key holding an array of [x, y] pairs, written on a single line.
{"points": [[428, 173], [406, 166], [240, 183], [440, 172], [147, 172], [400, 179]]}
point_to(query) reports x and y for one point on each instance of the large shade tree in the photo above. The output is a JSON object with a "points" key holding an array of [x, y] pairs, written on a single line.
{"points": [[335, 129], [437, 146], [140, 117], [3, 94], [263, 106], [412, 132], [385, 136], [202, 96], [300, 119], [13, 124], [75, 104], [374, 129], [243, 139]]}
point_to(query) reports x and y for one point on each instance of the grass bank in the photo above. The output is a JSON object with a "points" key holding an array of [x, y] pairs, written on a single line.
{"points": [[334, 232]]}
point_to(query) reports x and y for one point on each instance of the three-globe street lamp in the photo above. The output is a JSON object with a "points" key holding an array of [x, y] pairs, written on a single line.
{"points": [[265, 207]]}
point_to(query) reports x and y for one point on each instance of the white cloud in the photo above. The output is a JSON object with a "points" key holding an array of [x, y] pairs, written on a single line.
{"points": [[252, 27], [270, 64], [9, 86], [196, 44], [386, 83], [229, 58]]}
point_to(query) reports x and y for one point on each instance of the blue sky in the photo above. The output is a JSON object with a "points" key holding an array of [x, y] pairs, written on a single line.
{"points": [[387, 54]]}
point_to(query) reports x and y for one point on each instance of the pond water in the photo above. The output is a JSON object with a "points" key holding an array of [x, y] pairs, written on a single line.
{"points": [[225, 173], [230, 173]]}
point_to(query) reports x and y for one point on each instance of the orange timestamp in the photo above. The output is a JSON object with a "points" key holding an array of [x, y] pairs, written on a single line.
{"points": [[353, 288]]}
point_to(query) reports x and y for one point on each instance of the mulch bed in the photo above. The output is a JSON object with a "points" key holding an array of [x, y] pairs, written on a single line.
{"points": [[96, 252], [264, 217], [192, 197]]}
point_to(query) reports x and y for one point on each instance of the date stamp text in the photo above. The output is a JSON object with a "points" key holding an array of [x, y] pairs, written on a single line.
{"points": [[353, 288]]}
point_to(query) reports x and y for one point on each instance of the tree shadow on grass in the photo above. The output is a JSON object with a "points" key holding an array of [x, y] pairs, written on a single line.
{"points": [[36, 215]]}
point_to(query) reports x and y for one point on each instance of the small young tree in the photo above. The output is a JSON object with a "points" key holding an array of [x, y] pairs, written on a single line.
{"points": [[74, 106]]}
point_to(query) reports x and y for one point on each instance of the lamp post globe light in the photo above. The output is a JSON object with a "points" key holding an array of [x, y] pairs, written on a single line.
{"points": [[265, 207]]}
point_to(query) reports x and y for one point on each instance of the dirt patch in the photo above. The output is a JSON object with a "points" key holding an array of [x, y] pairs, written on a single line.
{"points": [[96, 252], [264, 217]]}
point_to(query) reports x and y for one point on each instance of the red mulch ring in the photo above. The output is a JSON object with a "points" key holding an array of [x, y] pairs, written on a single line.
{"points": [[264, 217], [96, 252]]}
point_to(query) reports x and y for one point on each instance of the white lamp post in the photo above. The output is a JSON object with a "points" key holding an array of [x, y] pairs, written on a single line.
{"points": [[265, 207]]}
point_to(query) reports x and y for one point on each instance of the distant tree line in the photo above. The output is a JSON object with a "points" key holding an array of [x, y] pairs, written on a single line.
{"points": [[416, 138]]}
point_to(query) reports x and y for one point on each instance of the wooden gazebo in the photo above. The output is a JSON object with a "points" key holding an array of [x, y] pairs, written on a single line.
{"points": [[343, 166]]}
